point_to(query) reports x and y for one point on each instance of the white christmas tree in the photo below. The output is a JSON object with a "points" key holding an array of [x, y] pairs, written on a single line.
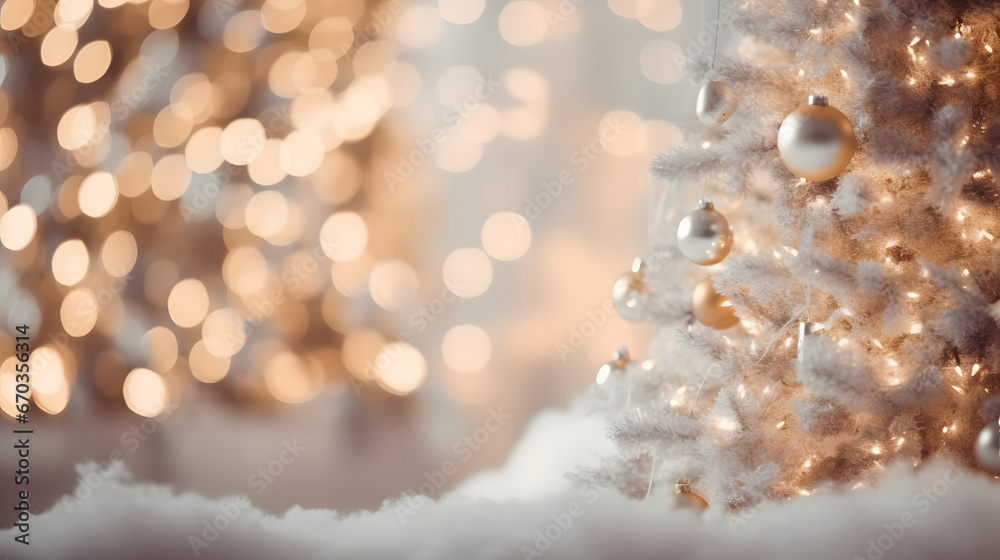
{"points": [[836, 311]]}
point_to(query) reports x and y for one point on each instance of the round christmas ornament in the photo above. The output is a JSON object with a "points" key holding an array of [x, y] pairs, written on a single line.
{"points": [[630, 294], [716, 103], [683, 487], [988, 448], [618, 363], [704, 236], [816, 141], [711, 308]]}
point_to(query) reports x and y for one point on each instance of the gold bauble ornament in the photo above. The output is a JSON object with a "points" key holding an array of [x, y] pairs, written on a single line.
{"points": [[716, 103], [816, 141], [704, 236], [683, 488], [711, 308]]}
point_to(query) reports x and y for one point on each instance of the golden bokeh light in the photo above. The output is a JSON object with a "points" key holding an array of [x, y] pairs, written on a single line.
{"points": [[461, 11], [343, 236], [71, 14], [659, 61], [98, 194], [301, 153], [79, 312], [266, 213], [8, 147], [133, 174], [92, 61], [48, 371], [393, 284], [161, 345], [401, 368], [58, 46], [659, 15], [245, 271], [206, 367], [70, 262], [359, 351], [419, 26], [15, 13], [170, 177], [188, 303], [242, 141], [8, 386], [119, 253], [244, 32], [223, 333], [145, 392], [523, 22], [335, 35], [506, 236], [467, 272], [172, 125], [17, 227], [291, 379], [202, 152], [266, 170], [55, 402], [466, 348]]}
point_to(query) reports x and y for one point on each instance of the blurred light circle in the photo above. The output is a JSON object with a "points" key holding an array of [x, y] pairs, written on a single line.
{"points": [[203, 152], [461, 11], [242, 141], [223, 333], [119, 253], [359, 352], [17, 227], [401, 368], [419, 26], [79, 312], [187, 303], [467, 272], [266, 213], [662, 61], [145, 392], [343, 236], [245, 270], [170, 177], [162, 346], [393, 284], [301, 153], [70, 262], [659, 15], [98, 194], [466, 348], [506, 236], [206, 367], [92, 61], [48, 372], [523, 23], [289, 379]]}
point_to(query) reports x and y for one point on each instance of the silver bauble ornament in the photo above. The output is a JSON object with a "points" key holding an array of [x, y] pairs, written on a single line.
{"points": [[704, 236], [988, 448], [716, 103], [618, 363], [816, 141], [630, 294]]}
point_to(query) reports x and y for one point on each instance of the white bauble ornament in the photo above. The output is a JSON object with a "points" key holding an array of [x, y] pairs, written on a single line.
{"points": [[704, 236], [816, 141], [630, 294], [988, 449], [716, 103], [618, 363]]}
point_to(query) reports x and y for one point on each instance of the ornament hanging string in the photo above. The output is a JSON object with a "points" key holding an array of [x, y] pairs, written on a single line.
{"points": [[718, 23]]}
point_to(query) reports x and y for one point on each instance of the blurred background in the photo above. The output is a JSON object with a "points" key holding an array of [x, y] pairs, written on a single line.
{"points": [[361, 228]]}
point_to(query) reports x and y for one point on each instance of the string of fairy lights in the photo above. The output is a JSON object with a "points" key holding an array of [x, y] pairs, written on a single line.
{"points": [[705, 237]]}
